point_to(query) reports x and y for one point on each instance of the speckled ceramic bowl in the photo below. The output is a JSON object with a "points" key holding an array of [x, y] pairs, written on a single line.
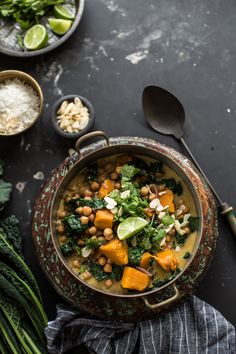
{"points": [[16, 74], [70, 98], [204, 201]]}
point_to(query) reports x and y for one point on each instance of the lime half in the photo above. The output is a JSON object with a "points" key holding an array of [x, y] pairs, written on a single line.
{"points": [[130, 226], [62, 12], [36, 37], [59, 26]]}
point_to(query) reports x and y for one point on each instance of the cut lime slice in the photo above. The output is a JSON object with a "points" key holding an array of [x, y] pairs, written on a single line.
{"points": [[36, 37], [59, 26], [62, 12], [130, 226]]}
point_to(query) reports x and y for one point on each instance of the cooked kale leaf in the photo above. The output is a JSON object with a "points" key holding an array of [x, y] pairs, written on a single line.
{"points": [[180, 239], [170, 276], [97, 271], [69, 247], [117, 272], [194, 223], [92, 172], [73, 225], [92, 244], [94, 203], [171, 183]]}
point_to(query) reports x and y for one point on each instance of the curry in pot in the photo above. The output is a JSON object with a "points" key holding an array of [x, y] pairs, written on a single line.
{"points": [[127, 224]]}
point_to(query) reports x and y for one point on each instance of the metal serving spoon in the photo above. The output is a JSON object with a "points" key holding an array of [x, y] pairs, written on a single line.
{"points": [[165, 114]]}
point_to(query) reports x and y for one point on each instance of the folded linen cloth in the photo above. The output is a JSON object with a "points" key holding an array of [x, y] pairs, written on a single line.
{"points": [[192, 327]]}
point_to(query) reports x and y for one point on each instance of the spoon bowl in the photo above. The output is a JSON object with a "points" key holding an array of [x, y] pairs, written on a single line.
{"points": [[163, 111]]}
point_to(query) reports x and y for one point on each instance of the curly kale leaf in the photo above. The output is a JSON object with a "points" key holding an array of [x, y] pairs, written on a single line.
{"points": [[10, 226], [5, 191], [70, 247]]}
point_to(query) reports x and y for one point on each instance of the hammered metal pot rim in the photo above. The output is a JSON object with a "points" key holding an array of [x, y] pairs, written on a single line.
{"points": [[145, 149]]}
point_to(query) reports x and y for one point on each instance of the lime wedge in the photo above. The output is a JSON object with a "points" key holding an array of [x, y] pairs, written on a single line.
{"points": [[130, 226], [62, 12], [36, 37], [59, 26]]}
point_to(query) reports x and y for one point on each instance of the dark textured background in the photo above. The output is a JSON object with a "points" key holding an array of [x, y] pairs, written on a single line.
{"points": [[120, 47]]}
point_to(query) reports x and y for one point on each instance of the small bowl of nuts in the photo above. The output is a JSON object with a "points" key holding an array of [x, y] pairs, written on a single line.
{"points": [[72, 116]]}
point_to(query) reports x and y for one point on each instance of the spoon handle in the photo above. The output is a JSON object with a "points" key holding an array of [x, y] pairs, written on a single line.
{"points": [[227, 211], [199, 168]]}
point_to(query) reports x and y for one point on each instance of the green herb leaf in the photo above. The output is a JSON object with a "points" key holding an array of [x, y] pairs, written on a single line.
{"points": [[97, 271], [92, 244], [135, 255], [94, 203], [128, 172], [117, 272], [180, 239], [5, 191]]}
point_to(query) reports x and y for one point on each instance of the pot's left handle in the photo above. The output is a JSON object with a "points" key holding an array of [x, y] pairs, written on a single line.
{"points": [[88, 136], [162, 303]]}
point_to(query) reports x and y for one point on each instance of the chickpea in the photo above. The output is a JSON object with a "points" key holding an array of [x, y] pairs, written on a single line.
{"points": [[101, 238], [117, 185], [76, 263], [94, 186], [60, 229], [88, 198], [114, 176], [161, 187], [93, 230], [91, 217], [118, 169], [88, 193], [61, 214], [108, 167], [101, 178], [186, 210], [63, 238], [80, 242], [152, 197], [172, 232], [102, 260], [187, 230], [168, 238], [84, 220], [107, 268], [87, 275], [108, 283], [159, 174], [87, 232], [87, 210], [79, 210], [180, 202], [109, 238], [107, 231], [94, 238], [68, 199], [144, 191]]}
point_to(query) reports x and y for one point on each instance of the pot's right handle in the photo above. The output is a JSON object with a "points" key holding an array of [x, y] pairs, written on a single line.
{"points": [[162, 303], [88, 136]]}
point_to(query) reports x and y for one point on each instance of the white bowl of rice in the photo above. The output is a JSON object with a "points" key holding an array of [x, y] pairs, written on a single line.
{"points": [[21, 102]]}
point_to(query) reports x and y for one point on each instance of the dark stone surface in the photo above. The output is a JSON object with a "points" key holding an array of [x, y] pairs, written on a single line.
{"points": [[188, 48]]}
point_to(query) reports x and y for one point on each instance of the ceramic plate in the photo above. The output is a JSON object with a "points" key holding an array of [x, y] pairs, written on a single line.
{"points": [[10, 33]]}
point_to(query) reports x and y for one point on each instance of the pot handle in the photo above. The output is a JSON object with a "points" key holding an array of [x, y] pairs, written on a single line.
{"points": [[163, 303], [88, 136]]}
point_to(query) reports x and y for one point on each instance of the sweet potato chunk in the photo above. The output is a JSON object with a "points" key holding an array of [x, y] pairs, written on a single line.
{"points": [[145, 260], [103, 219], [167, 260], [134, 279], [115, 250], [106, 188], [167, 199]]}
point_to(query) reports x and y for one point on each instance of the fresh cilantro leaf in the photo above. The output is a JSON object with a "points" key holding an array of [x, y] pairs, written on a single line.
{"points": [[128, 172]]}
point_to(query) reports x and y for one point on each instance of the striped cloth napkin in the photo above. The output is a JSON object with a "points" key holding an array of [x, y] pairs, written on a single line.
{"points": [[193, 327]]}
